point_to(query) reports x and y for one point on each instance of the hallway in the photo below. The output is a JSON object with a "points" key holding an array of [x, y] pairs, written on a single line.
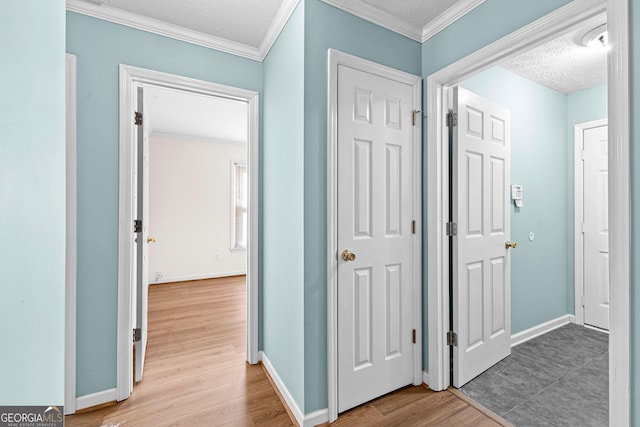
{"points": [[195, 371]]}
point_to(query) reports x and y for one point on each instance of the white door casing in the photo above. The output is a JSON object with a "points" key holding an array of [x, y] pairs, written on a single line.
{"points": [[70, 253], [375, 349], [596, 227], [142, 237], [130, 78], [481, 269]]}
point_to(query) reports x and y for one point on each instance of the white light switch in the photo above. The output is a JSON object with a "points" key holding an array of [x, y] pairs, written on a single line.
{"points": [[531, 236]]}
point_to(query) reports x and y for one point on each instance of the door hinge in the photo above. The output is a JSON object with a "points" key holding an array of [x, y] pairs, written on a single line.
{"points": [[413, 226], [138, 119], [582, 155], [452, 338], [413, 335], [582, 227], [452, 229], [414, 116], [583, 300], [452, 119], [137, 335], [137, 226]]}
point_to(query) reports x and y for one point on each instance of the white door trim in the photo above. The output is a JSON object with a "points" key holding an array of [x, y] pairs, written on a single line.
{"points": [[338, 58], [534, 34], [70, 252], [129, 77], [619, 101], [578, 187]]}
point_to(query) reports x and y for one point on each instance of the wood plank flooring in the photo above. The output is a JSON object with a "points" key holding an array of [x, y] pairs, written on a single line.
{"points": [[196, 374]]}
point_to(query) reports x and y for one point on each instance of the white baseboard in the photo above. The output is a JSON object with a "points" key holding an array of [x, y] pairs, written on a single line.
{"points": [[425, 377], [95, 399], [197, 277], [304, 420], [540, 329]]}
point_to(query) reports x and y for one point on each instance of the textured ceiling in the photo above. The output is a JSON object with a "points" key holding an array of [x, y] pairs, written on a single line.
{"points": [[417, 12], [187, 114], [563, 64], [242, 21]]}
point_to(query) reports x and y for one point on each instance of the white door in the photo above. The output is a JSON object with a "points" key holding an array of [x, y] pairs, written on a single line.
{"points": [[481, 209], [596, 227], [375, 151], [142, 239]]}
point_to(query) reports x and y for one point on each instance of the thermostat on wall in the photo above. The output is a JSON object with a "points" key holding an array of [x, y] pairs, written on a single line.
{"points": [[516, 195]]}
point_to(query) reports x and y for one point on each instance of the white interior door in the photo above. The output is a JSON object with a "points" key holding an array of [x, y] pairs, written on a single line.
{"points": [[375, 152], [596, 227], [142, 246], [481, 272]]}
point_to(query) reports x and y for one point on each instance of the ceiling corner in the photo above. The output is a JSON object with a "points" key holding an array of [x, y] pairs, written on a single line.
{"points": [[379, 17], [277, 25], [448, 17]]}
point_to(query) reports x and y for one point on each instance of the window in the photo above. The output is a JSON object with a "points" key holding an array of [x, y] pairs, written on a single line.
{"points": [[238, 205]]}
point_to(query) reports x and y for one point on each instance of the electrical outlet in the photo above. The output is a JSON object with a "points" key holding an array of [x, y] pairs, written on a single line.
{"points": [[158, 276], [217, 257]]}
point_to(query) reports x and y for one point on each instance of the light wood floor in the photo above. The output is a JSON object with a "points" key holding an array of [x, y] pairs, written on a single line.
{"points": [[196, 374]]}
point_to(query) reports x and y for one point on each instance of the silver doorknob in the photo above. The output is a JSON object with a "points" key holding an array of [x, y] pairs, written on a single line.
{"points": [[347, 255], [510, 245]]}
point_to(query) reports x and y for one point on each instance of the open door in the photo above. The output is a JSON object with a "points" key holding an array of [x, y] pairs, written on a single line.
{"points": [[481, 210], [142, 233], [596, 226]]}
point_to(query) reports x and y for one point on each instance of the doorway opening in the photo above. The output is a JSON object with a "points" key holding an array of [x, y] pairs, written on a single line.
{"points": [[562, 21], [242, 218]]}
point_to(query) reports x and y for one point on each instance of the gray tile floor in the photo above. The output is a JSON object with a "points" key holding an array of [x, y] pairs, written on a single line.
{"points": [[558, 379]]}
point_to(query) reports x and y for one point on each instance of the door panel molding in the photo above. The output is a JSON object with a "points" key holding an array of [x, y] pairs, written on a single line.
{"points": [[578, 191], [337, 58], [564, 19], [130, 77]]}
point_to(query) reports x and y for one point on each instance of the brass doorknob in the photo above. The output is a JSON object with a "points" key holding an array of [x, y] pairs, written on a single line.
{"points": [[511, 245], [347, 255], [151, 239]]}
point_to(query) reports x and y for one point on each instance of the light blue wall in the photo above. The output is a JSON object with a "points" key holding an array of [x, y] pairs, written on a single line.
{"points": [[484, 25], [582, 106], [634, 22], [539, 153], [32, 202], [283, 200], [100, 47], [327, 27]]}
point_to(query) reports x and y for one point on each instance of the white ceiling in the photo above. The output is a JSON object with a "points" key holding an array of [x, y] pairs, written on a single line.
{"points": [[191, 115], [564, 64], [241, 21]]}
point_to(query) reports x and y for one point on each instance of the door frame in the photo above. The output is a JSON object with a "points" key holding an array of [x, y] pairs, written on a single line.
{"points": [[131, 76], [336, 58], [578, 210], [546, 28], [70, 251]]}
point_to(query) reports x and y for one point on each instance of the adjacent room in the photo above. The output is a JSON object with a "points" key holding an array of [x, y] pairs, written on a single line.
{"points": [[557, 97]]}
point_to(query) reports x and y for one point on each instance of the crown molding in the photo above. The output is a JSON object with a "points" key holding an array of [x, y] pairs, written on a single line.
{"points": [[379, 17], [277, 25], [448, 17], [155, 26], [400, 26]]}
